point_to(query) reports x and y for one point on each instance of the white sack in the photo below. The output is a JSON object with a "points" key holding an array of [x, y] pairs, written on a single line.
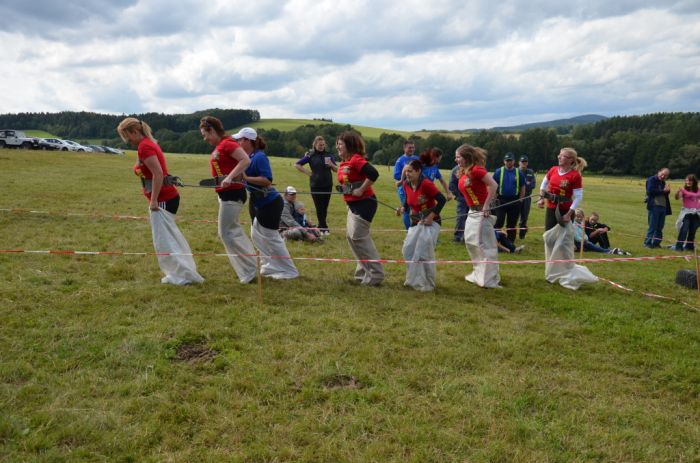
{"points": [[419, 246], [238, 246], [274, 256], [559, 245], [480, 239], [180, 268]]}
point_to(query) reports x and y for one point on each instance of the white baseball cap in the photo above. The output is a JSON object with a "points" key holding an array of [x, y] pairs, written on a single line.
{"points": [[246, 132], [291, 190]]}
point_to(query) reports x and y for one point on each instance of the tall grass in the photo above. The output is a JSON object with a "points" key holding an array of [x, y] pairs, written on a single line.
{"points": [[323, 369]]}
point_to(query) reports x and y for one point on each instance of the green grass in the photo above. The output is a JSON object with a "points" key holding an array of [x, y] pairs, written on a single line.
{"points": [[529, 373], [286, 125], [39, 134]]}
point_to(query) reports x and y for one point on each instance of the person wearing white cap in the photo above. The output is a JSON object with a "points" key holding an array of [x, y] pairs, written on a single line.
{"points": [[228, 161], [265, 209]]}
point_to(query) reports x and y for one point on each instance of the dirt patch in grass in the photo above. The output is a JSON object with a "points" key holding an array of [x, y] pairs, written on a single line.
{"points": [[195, 352], [342, 382]]}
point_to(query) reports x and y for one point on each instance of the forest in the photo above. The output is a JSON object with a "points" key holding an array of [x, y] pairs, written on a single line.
{"points": [[621, 145]]}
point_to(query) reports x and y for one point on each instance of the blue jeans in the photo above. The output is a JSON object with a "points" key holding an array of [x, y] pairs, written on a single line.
{"points": [[462, 212], [588, 246], [686, 236], [656, 217], [406, 214]]}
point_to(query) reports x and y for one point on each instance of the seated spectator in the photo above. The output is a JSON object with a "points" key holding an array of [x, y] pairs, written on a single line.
{"points": [[506, 245], [597, 232], [579, 224], [293, 223]]}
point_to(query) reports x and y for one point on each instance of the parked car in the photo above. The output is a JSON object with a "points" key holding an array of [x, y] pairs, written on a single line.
{"points": [[109, 149], [10, 138], [77, 146], [55, 144], [97, 148]]}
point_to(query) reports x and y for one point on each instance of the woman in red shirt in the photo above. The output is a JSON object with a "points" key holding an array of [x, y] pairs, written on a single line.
{"points": [[424, 201], [228, 161], [562, 188], [175, 257], [479, 189], [356, 177]]}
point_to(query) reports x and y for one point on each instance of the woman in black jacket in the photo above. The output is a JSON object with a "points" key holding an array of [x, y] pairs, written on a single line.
{"points": [[322, 164]]}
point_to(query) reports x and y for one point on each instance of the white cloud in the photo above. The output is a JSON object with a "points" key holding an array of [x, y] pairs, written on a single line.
{"points": [[446, 64]]}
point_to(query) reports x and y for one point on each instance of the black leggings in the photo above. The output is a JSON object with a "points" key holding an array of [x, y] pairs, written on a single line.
{"points": [[171, 205], [269, 215], [321, 202]]}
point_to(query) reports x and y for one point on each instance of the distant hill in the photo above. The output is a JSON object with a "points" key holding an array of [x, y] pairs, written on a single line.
{"points": [[578, 120]]}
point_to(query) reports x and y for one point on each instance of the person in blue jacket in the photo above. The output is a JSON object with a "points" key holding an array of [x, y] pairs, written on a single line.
{"points": [[658, 207]]}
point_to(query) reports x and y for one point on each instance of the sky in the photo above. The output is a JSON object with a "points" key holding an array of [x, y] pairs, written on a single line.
{"points": [[408, 64]]}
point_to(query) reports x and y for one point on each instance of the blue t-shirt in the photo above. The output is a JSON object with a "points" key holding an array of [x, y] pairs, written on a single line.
{"points": [[400, 162], [432, 172], [260, 167]]}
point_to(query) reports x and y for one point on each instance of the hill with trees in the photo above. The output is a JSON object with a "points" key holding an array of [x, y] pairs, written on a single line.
{"points": [[621, 145]]}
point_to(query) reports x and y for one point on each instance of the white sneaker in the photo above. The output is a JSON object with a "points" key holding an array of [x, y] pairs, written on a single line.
{"points": [[519, 249]]}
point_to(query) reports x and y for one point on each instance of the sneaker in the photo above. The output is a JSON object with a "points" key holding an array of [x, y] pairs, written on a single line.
{"points": [[614, 251], [627, 253], [519, 249]]}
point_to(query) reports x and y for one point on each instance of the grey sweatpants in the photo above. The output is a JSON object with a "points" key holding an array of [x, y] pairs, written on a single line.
{"points": [[362, 246]]}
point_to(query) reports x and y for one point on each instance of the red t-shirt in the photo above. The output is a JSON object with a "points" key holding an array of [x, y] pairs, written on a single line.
{"points": [[421, 198], [563, 185], [472, 186], [351, 172], [146, 149], [222, 163]]}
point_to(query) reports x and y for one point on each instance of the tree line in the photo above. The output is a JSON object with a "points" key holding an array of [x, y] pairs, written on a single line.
{"points": [[622, 145]]}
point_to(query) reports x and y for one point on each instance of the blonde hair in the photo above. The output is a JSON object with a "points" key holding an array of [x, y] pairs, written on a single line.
{"points": [[316, 140], [131, 124], [474, 156], [579, 163]]}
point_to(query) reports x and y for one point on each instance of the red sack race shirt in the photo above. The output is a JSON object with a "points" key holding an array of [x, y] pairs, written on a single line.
{"points": [[146, 149], [222, 163], [421, 198], [472, 186], [351, 172], [563, 185]]}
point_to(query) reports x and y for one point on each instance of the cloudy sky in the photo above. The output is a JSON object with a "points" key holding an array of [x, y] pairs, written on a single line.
{"points": [[395, 64]]}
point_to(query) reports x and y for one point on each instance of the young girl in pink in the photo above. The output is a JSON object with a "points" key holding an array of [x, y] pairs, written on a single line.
{"points": [[689, 218]]}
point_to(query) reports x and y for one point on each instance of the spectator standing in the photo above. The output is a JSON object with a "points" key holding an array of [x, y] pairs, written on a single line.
{"points": [[526, 203], [689, 218], [511, 187], [658, 207], [322, 164], [409, 149]]}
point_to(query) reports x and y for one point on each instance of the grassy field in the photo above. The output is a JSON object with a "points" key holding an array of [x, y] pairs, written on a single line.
{"points": [[100, 362], [39, 134], [286, 125]]}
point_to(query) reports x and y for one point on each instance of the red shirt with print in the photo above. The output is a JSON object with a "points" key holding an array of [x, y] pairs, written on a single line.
{"points": [[146, 149], [222, 163], [351, 172], [472, 186], [563, 185], [421, 198]]}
